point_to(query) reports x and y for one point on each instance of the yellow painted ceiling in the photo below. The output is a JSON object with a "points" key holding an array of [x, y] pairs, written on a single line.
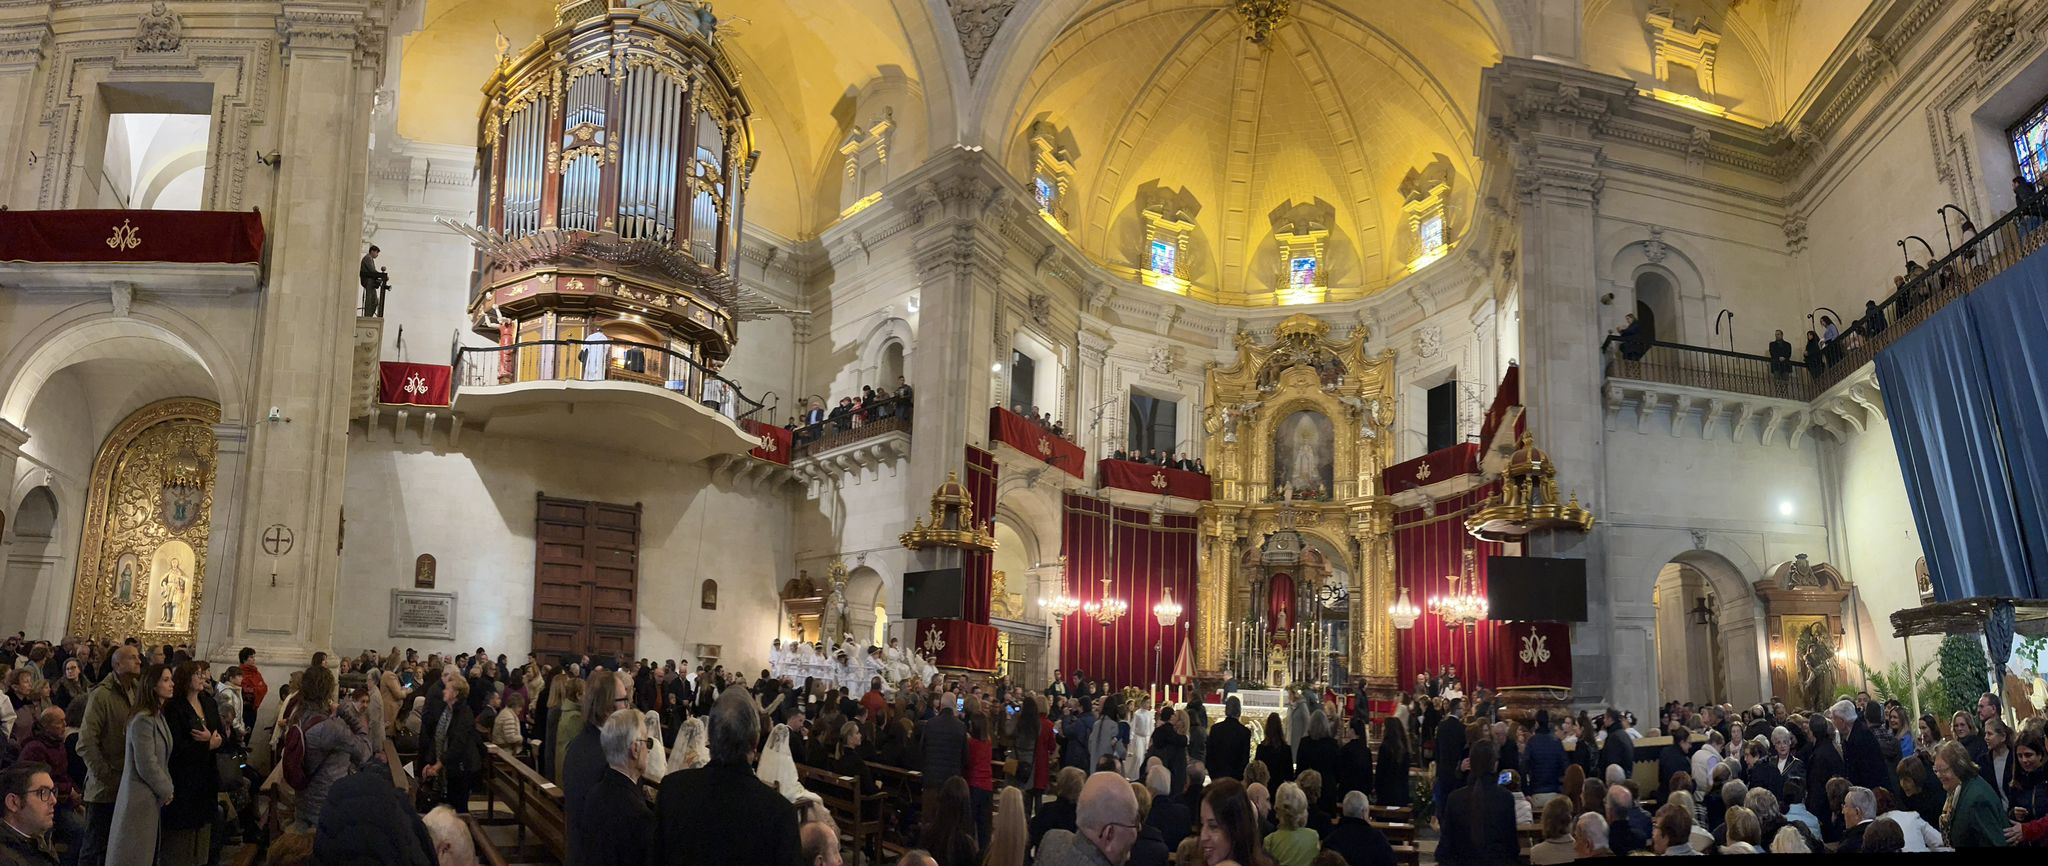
{"points": [[799, 60], [1337, 108]]}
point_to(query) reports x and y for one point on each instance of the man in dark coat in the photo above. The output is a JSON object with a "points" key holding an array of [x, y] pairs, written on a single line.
{"points": [[945, 748], [1230, 743], [1355, 838], [1674, 758], [1080, 722], [1354, 762], [720, 814], [368, 821], [1479, 819], [1543, 759], [1862, 757], [615, 829], [1618, 750], [1450, 752], [1171, 747], [583, 761], [1822, 764]]}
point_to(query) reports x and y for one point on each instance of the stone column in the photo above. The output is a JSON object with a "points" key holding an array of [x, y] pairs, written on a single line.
{"points": [[223, 543], [959, 209], [1545, 117], [11, 440], [22, 49], [331, 54], [1094, 376]]}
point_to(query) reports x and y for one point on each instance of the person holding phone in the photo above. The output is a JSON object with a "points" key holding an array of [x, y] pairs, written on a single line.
{"points": [[194, 720]]}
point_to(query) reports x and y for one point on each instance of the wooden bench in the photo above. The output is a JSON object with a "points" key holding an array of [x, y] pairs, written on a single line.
{"points": [[487, 854], [853, 803], [1397, 833], [1408, 855], [536, 803], [1392, 814], [902, 797]]}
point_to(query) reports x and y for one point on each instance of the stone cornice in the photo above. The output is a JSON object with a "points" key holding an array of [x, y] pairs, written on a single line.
{"points": [[24, 45]]}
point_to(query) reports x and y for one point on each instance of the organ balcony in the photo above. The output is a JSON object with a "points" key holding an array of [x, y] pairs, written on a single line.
{"points": [[614, 156]]}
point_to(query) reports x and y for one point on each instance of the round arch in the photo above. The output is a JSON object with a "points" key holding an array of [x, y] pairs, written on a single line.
{"points": [[1724, 658], [149, 334], [867, 604], [1688, 316], [875, 345]]}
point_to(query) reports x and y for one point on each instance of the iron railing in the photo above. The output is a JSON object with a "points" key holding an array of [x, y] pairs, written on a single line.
{"points": [[1917, 296], [887, 415], [568, 360]]}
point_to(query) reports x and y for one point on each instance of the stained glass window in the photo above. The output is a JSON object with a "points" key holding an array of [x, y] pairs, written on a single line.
{"points": [[1433, 235], [1163, 253], [2030, 143], [1042, 189], [1301, 272]]}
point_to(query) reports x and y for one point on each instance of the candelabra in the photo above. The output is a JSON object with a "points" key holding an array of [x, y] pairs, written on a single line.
{"points": [[1167, 611], [1460, 607], [1403, 611], [1059, 603], [1105, 609]]}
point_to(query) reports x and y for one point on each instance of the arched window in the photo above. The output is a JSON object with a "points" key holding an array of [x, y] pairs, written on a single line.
{"points": [[709, 599], [1656, 301], [892, 365]]}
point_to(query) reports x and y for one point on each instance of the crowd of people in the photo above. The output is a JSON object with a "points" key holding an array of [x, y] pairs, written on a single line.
{"points": [[127, 754], [852, 412], [1044, 420], [1167, 459]]}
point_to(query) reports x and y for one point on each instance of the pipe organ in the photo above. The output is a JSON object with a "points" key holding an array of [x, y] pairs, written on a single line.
{"points": [[615, 154]]}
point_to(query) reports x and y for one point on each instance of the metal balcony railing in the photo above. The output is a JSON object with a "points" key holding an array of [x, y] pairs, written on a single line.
{"points": [[623, 361], [874, 419], [1922, 293]]}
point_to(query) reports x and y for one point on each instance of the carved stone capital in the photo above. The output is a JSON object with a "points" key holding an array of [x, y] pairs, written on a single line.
{"points": [[25, 45], [309, 30]]}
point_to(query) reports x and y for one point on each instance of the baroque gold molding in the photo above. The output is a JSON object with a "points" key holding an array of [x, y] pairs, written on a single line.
{"points": [[124, 516]]}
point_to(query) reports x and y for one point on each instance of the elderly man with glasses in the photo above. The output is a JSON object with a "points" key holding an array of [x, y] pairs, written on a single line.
{"points": [[28, 806], [1106, 826]]}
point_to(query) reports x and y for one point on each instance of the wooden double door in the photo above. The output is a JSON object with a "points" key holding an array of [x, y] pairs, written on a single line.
{"points": [[586, 578]]}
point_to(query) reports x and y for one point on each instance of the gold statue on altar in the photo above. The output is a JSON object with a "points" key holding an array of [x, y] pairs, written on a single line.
{"points": [[1298, 430]]}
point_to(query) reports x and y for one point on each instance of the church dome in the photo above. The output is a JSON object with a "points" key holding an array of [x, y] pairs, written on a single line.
{"points": [[1345, 112]]}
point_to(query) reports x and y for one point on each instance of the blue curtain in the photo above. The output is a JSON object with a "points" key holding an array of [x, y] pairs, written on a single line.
{"points": [[1945, 426], [2012, 320]]}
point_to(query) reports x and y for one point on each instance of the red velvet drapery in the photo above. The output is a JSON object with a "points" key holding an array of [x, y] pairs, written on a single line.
{"points": [[977, 568], [1144, 560], [1279, 603], [1430, 543]]}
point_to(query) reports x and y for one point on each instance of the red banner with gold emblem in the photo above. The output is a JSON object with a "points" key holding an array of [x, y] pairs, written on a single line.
{"points": [[1020, 433], [142, 236], [404, 384], [1147, 478], [1530, 654], [774, 440], [957, 643]]}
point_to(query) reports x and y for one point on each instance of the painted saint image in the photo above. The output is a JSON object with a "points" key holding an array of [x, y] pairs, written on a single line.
{"points": [[1302, 450], [124, 579]]}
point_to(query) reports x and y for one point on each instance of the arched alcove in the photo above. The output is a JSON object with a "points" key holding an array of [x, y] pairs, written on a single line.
{"points": [[1722, 658], [867, 608], [1654, 304], [36, 517]]}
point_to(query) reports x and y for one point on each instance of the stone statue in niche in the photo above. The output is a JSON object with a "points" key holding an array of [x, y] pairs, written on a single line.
{"points": [[1303, 448], [170, 588]]}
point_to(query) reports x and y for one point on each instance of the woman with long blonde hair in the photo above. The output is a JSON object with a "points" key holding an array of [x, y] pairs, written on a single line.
{"points": [[1006, 843]]}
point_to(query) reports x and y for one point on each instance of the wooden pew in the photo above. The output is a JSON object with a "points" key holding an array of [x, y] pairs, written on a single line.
{"points": [[1407, 855], [902, 797], [858, 811], [535, 802], [399, 778], [487, 854], [1397, 833], [1392, 814]]}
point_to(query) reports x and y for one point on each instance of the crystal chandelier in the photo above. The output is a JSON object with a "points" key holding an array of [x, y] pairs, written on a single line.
{"points": [[1461, 607], [1167, 611], [1105, 610], [1403, 611], [1060, 604]]}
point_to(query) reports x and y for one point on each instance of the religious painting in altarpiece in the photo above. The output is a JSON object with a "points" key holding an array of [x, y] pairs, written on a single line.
{"points": [[142, 556]]}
